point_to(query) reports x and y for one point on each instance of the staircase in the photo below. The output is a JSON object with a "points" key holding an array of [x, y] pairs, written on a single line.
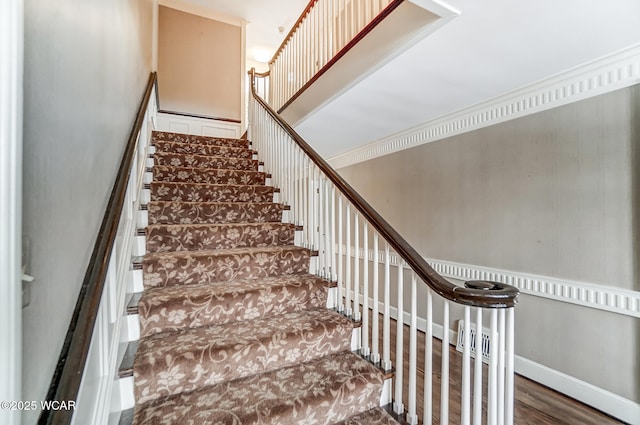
{"points": [[233, 327]]}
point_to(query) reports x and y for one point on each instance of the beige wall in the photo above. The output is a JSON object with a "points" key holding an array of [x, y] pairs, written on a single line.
{"points": [[554, 194], [199, 65], [86, 67]]}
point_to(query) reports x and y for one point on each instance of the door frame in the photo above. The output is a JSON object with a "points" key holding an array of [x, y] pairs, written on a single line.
{"points": [[11, 97]]}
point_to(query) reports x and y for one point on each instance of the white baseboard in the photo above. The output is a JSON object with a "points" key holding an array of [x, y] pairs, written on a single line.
{"points": [[603, 400]]}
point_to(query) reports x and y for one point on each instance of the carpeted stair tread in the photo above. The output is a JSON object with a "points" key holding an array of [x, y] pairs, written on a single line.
{"points": [[198, 237], [170, 212], [189, 267], [202, 192], [171, 363], [234, 329], [173, 308], [324, 391], [201, 149], [192, 138], [204, 161], [377, 416], [168, 173]]}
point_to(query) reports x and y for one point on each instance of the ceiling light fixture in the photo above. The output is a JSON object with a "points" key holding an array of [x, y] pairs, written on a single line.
{"points": [[262, 55]]}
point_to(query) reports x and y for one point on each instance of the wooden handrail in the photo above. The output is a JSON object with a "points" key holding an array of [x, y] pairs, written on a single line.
{"points": [[483, 294], [67, 376]]}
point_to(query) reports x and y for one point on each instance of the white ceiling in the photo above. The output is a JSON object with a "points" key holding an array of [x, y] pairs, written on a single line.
{"points": [[493, 47]]}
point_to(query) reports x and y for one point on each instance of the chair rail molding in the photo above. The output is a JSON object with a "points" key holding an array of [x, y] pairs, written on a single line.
{"points": [[11, 65], [601, 297], [611, 72]]}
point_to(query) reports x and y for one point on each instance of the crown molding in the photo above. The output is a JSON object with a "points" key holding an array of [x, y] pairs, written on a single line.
{"points": [[612, 72]]}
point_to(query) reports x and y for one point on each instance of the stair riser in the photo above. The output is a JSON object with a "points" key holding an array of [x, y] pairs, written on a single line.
{"points": [[198, 149], [180, 192], [199, 238], [139, 246], [170, 213], [190, 138], [134, 331], [191, 269], [202, 161], [186, 175]]}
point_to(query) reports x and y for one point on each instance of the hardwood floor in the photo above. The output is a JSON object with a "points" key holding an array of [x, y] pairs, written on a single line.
{"points": [[535, 404]]}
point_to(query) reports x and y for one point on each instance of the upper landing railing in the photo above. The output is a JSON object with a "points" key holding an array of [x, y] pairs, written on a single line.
{"points": [[325, 31]]}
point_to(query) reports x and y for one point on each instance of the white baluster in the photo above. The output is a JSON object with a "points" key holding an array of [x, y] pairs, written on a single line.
{"points": [[375, 320], [477, 379], [427, 417], [352, 23], [300, 170], [320, 225], [332, 244], [315, 194], [510, 390], [325, 227], [305, 201], [386, 323], [347, 258], [365, 289], [340, 234], [356, 268], [412, 415], [492, 402], [325, 33], [398, 406], [444, 381], [317, 37], [465, 408], [501, 364]]}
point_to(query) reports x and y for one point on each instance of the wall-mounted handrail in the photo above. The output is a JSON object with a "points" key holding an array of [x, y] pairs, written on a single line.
{"points": [[68, 374], [474, 293]]}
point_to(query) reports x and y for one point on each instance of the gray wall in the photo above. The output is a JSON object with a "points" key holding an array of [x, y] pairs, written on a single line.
{"points": [[554, 194], [86, 66]]}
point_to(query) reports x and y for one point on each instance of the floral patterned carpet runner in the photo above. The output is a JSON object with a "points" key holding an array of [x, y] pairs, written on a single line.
{"points": [[234, 330]]}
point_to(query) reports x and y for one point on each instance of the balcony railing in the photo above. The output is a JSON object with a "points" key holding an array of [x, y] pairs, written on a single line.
{"points": [[323, 33]]}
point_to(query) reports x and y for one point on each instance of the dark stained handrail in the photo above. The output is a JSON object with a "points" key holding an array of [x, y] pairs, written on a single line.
{"points": [[67, 376], [475, 293]]}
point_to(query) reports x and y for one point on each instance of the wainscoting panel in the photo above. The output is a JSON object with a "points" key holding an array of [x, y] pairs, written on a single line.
{"points": [[200, 126]]}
